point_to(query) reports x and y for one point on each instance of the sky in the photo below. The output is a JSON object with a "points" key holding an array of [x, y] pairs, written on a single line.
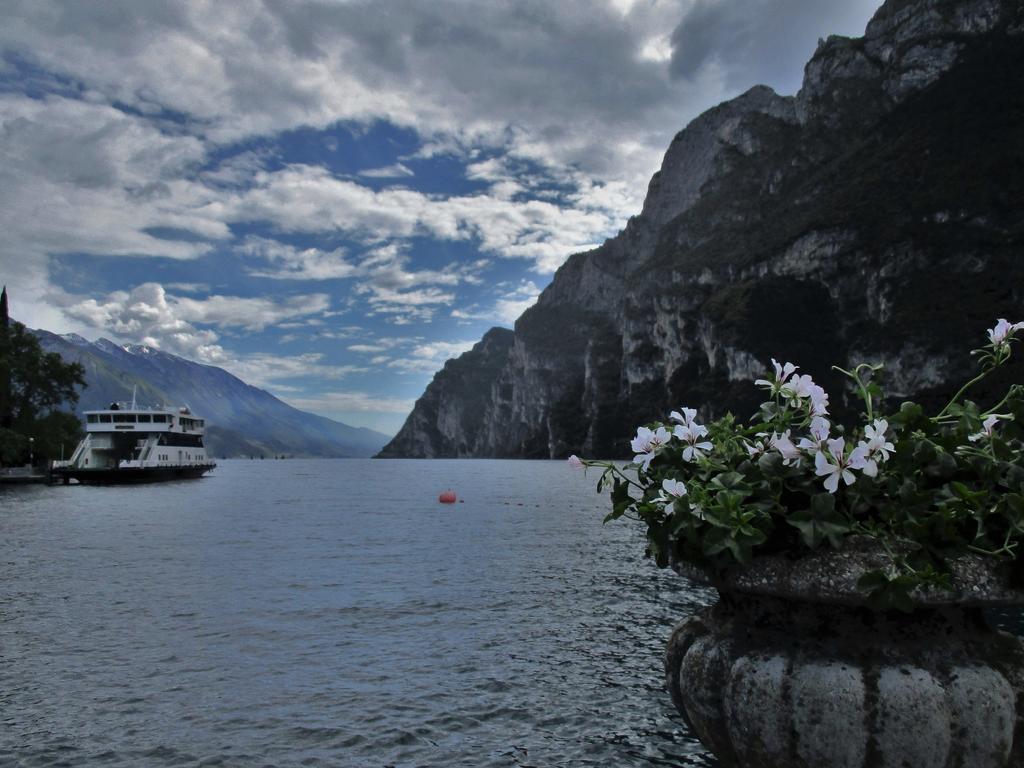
{"points": [[331, 198]]}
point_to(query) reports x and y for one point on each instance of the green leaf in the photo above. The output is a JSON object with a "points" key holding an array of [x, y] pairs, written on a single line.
{"points": [[887, 592], [770, 464], [730, 481], [719, 540], [822, 522], [961, 491]]}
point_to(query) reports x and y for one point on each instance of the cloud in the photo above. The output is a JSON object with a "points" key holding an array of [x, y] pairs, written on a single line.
{"points": [[508, 309], [291, 263], [148, 314], [120, 150], [86, 178], [759, 41], [267, 370], [656, 49], [429, 356], [396, 170], [562, 82], [309, 199], [189, 287], [512, 302], [250, 313], [341, 402]]}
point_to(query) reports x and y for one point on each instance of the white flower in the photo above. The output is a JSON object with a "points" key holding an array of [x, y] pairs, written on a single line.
{"points": [[801, 388], [876, 448], [986, 431], [756, 447], [819, 401], [819, 431], [686, 417], [1003, 331], [575, 462], [783, 444], [782, 372], [833, 470], [860, 458], [691, 435], [673, 488], [646, 444], [876, 441], [670, 491]]}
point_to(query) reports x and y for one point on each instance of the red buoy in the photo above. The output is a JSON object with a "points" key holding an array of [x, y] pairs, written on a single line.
{"points": [[447, 497]]}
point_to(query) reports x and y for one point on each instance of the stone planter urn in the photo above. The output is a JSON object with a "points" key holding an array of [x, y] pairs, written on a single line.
{"points": [[791, 669]]}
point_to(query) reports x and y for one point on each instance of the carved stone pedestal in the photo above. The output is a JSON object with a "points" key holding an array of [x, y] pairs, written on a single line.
{"points": [[776, 681]]}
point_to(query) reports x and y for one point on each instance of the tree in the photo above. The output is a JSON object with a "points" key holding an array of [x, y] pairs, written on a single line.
{"points": [[34, 385], [5, 371]]}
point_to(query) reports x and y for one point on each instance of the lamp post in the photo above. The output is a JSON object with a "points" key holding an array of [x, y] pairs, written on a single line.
{"points": [[31, 450]]}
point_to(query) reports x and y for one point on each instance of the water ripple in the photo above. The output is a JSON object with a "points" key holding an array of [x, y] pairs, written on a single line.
{"points": [[332, 613]]}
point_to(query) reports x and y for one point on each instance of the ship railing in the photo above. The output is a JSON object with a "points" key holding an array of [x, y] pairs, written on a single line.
{"points": [[82, 447]]}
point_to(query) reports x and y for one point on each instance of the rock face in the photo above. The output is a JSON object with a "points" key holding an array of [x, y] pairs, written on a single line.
{"points": [[444, 423], [873, 217]]}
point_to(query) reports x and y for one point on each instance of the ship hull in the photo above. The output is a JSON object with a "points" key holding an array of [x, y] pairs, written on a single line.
{"points": [[131, 475]]}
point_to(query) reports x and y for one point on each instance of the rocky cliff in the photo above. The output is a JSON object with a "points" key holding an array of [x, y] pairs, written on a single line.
{"points": [[875, 216]]}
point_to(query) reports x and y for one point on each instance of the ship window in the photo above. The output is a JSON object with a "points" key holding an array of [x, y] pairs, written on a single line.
{"points": [[105, 418], [144, 418], [200, 422], [159, 417], [93, 418], [124, 418]]}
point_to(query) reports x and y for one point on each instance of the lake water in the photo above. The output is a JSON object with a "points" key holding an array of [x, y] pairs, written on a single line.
{"points": [[333, 613]]}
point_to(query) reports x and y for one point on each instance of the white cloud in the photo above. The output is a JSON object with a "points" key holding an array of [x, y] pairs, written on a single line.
{"points": [[340, 402], [430, 356], [147, 314], [309, 199], [582, 90], [759, 41], [508, 309], [250, 313], [396, 170], [189, 287], [461, 75], [512, 302], [291, 263], [656, 49], [86, 178], [267, 370]]}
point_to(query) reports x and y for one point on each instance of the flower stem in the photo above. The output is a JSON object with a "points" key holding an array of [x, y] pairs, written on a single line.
{"points": [[960, 394]]}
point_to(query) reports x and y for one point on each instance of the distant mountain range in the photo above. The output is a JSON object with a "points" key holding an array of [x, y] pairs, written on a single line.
{"points": [[242, 420]]}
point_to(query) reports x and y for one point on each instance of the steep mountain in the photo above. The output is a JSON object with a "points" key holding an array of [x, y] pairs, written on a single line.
{"points": [[242, 420], [875, 216]]}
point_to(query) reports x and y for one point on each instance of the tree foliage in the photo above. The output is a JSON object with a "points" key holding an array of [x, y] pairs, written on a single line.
{"points": [[36, 385]]}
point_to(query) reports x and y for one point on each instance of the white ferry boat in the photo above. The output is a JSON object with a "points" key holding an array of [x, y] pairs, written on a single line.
{"points": [[126, 444]]}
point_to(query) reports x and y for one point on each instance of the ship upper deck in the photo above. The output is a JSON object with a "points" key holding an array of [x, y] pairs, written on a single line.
{"points": [[143, 420]]}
